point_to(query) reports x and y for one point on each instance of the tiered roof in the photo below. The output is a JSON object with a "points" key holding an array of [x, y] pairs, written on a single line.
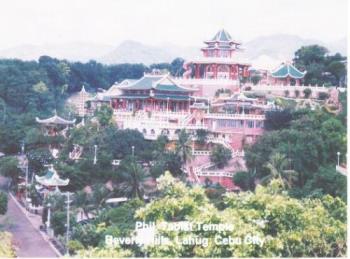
{"points": [[160, 87], [222, 39], [51, 178], [55, 120], [287, 70]]}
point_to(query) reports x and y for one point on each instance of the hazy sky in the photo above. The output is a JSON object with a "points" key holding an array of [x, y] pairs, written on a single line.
{"points": [[182, 22]]}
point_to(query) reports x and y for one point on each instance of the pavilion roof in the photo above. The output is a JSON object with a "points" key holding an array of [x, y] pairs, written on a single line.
{"points": [[157, 97], [55, 120], [157, 82], [224, 37], [51, 178], [287, 70]]}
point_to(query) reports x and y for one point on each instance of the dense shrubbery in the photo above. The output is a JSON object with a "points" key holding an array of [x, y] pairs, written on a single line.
{"points": [[310, 142], [289, 227]]}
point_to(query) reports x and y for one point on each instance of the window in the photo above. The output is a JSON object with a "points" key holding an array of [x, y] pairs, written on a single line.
{"points": [[259, 124], [250, 124]]}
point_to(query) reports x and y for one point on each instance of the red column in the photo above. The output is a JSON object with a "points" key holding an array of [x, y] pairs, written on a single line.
{"points": [[215, 70], [197, 71]]}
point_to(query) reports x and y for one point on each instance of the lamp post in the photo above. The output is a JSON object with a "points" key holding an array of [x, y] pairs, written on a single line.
{"points": [[338, 155], [68, 220], [95, 156], [48, 215], [26, 164], [133, 151], [22, 148]]}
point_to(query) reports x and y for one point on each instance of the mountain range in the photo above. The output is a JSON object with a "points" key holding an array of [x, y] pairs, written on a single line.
{"points": [[264, 51]]}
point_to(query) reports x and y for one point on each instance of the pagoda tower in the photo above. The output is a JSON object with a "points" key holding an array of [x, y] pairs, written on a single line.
{"points": [[218, 67]]}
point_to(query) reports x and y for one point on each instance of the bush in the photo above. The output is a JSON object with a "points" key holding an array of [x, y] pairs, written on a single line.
{"points": [[74, 246], [245, 180], [6, 248], [286, 93], [220, 156], [307, 92], [3, 203], [323, 95]]}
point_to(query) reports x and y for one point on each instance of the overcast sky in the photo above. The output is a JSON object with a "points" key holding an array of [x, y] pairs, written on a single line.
{"points": [[182, 22]]}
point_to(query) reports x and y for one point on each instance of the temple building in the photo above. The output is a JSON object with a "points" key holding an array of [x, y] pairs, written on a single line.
{"points": [[153, 93], [220, 65], [286, 74]]}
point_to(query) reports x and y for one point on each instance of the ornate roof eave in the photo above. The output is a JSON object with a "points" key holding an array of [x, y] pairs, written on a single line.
{"points": [[51, 178], [289, 68], [55, 120]]}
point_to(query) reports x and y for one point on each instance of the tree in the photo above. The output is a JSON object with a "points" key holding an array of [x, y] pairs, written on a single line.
{"points": [[104, 115], [256, 79], [307, 92], [176, 67], [245, 180], [133, 175], [277, 170], [220, 156], [286, 93], [183, 146], [202, 136], [9, 168], [3, 203], [321, 67], [278, 119], [295, 228]]}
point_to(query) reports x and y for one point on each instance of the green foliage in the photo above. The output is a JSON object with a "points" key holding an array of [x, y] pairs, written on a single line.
{"points": [[220, 156], [277, 119], [245, 180], [104, 115], [74, 246], [133, 175], [122, 217], [183, 146], [7, 249], [292, 227], [310, 141], [39, 157], [323, 96], [3, 203], [255, 79], [201, 135], [9, 167], [321, 67], [307, 92]]}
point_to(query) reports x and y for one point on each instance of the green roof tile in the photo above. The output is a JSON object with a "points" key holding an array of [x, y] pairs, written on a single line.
{"points": [[286, 70]]}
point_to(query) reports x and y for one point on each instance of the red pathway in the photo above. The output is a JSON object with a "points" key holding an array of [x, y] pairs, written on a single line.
{"points": [[29, 242]]}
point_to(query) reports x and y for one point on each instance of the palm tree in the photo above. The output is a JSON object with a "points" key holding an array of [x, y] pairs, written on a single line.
{"points": [[277, 165], [133, 175], [183, 146], [99, 196]]}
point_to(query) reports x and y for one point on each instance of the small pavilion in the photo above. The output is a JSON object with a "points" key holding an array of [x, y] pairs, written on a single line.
{"points": [[287, 74], [51, 179], [53, 125]]}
